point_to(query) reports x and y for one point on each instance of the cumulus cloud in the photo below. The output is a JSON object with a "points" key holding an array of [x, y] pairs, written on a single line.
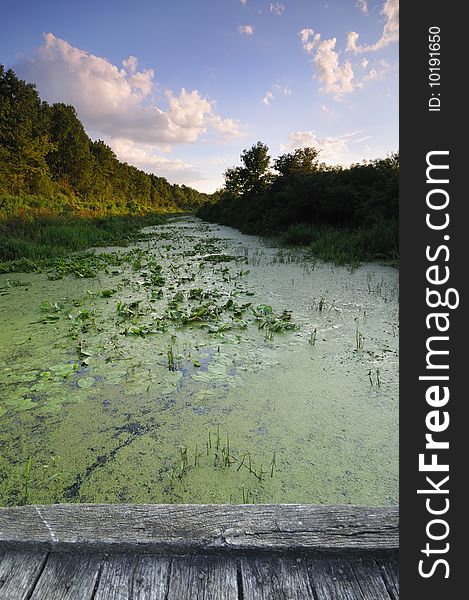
{"points": [[267, 99], [117, 102], [246, 29], [144, 157], [226, 129], [309, 40], [277, 8], [333, 150], [390, 34], [362, 5], [336, 78]]}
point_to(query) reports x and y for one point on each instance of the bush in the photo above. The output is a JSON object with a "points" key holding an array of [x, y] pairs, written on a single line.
{"points": [[300, 234]]}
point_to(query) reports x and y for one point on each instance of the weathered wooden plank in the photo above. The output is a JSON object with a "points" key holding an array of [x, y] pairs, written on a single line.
{"points": [[343, 530], [334, 579], [275, 579], [68, 577], [133, 577], [19, 571], [370, 579], [390, 572], [204, 578]]}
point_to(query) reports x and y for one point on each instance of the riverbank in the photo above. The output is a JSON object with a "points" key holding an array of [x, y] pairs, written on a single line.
{"points": [[34, 241], [337, 245]]}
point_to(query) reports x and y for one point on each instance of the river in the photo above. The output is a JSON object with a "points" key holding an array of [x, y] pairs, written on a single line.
{"points": [[199, 365]]}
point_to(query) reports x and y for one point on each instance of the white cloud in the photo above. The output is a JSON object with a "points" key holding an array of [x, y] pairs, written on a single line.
{"points": [[336, 79], [333, 150], [267, 99], [246, 29], [390, 34], [309, 40], [277, 8], [362, 139], [143, 157], [377, 72], [362, 5], [364, 63], [244, 2], [119, 102], [226, 129], [283, 89]]}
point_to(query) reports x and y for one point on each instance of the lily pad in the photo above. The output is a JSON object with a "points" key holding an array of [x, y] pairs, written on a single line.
{"points": [[86, 382]]}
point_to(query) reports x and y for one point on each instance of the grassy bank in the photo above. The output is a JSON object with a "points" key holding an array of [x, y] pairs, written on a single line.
{"points": [[32, 242], [346, 246]]}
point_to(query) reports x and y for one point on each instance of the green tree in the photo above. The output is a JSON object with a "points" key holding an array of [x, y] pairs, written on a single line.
{"points": [[253, 177], [303, 160], [235, 181], [71, 161], [24, 138], [256, 162]]}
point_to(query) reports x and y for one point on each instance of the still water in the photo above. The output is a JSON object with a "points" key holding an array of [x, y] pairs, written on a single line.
{"points": [[200, 365]]}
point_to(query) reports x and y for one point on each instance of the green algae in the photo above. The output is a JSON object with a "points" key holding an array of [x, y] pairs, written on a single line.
{"points": [[86, 388]]}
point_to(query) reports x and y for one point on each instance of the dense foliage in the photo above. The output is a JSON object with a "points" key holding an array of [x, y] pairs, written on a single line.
{"points": [[345, 214], [49, 165]]}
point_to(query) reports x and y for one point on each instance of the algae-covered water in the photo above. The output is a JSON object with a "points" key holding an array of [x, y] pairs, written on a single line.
{"points": [[199, 365]]}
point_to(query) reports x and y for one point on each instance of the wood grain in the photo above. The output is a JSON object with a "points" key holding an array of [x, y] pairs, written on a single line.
{"points": [[68, 577], [135, 577], [390, 573], [203, 578], [72, 576], [181, 529], [335, 580], [275, 579], [370, 579], [19, 572]]}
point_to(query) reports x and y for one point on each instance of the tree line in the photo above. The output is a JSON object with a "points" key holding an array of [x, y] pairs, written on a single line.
{"points": [[48, 161], [305, 201]]}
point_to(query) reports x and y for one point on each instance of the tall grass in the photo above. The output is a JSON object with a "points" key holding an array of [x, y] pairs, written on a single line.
{"points": [[26, 243], [346, 246], [341, 247]]}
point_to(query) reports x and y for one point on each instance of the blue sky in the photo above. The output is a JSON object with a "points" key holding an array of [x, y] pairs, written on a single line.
{"points": [[181, 88]]}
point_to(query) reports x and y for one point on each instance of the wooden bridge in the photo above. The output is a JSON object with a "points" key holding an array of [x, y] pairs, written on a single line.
{"points": [[200, 552]]}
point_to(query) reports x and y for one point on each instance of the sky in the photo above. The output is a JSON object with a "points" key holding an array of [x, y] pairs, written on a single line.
{"points": [[179, 88]]}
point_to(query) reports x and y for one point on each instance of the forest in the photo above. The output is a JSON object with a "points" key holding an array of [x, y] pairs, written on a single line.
{"points": [[343, 214], [48, 162], [60, 191]]}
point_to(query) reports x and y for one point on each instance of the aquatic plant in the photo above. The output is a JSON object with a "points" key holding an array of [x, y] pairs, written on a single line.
{"points": [[312, 337], [171, 362], [26, 477], [267, 320], [359, 337], [272, 465], [127, 310]]}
